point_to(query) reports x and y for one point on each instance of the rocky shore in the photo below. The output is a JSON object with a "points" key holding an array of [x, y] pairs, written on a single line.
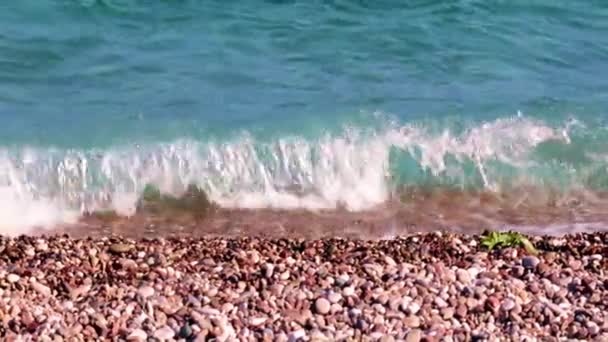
{"points": [[429, 287]]}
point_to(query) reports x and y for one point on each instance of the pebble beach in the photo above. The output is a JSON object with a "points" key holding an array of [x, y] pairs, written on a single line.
{"points": [[420, 287]]}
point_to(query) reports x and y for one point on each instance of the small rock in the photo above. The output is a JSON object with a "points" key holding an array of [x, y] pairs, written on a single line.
{"points": [[165, 333], [348, 291], [492, 303], [463, 276], [119, 248], [296, 335], [13, 278], [414, 336], [268, 270], [42, 289], [575, 264], [145, 291], [342, 280], [592, 328], [389, 261], [137, 335], [334, 297], [440, 302], [518, 271], [256, 321], [413, 308], [461, 311], [322, 306], [411, 322], [507, 305], [447, 313], [530, 262], [185, 331]]}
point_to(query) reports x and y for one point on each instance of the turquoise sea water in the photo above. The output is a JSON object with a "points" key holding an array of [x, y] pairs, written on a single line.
{"points": [[341, 100]]}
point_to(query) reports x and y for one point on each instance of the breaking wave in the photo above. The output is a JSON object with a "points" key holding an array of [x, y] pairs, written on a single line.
{"points": [[356, 169]]}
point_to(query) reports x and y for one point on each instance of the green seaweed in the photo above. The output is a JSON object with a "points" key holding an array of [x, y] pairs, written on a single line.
{"points": [[494, 240], [105, 215], [194, 200]]}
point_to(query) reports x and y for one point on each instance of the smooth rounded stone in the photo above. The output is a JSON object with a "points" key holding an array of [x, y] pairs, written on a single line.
{"points": [[348, 291], [463, 276], [30, 252], [334, 297], [376, 336], [533, 287], [412, 308], [284, 276], [268, 270], [40, 288], [145, 291], [296, 335], [387, 338], [257, 321], [120, 248], [318, 336], [575, 264], [530, 261], [342, 280], [411, 321], [440, 302], [447, 313], [322, 306], [461, 311], [335, 308], [185, 331], [13, 278], [390, 261], [165, 333], [137, 335], [507, 305], [414, 335], [592, 328], [518, 271]]}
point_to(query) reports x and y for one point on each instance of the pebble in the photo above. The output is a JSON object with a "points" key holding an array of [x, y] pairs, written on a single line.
{"points": [[120, 248], [40, 288], [296, 335], [268, 270], [530, 262], [322, 306], [203, 289], [334, 297], [137, 335], [342, 280], [185, 331], [257, 321], [414, 335], [164, 334], [507, 305], [411, 321], [348, 291], [146, 291], [463, 276]]}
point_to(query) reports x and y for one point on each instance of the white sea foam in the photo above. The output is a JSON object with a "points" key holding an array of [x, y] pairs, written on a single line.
{"points": [[44, 187]]}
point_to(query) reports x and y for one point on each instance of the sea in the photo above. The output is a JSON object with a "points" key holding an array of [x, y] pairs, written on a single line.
{"points": [[302, 105]]}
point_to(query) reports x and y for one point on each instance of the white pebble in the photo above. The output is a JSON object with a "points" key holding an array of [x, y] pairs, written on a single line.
{"points": [[165, 333], [348, 291], [137, 335], [145, 291]]}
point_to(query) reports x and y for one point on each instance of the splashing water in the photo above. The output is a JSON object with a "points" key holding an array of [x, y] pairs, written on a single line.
{"points": [[354, 170]]}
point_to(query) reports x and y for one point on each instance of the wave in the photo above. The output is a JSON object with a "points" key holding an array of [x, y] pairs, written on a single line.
{"points": [[357, 169]]}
